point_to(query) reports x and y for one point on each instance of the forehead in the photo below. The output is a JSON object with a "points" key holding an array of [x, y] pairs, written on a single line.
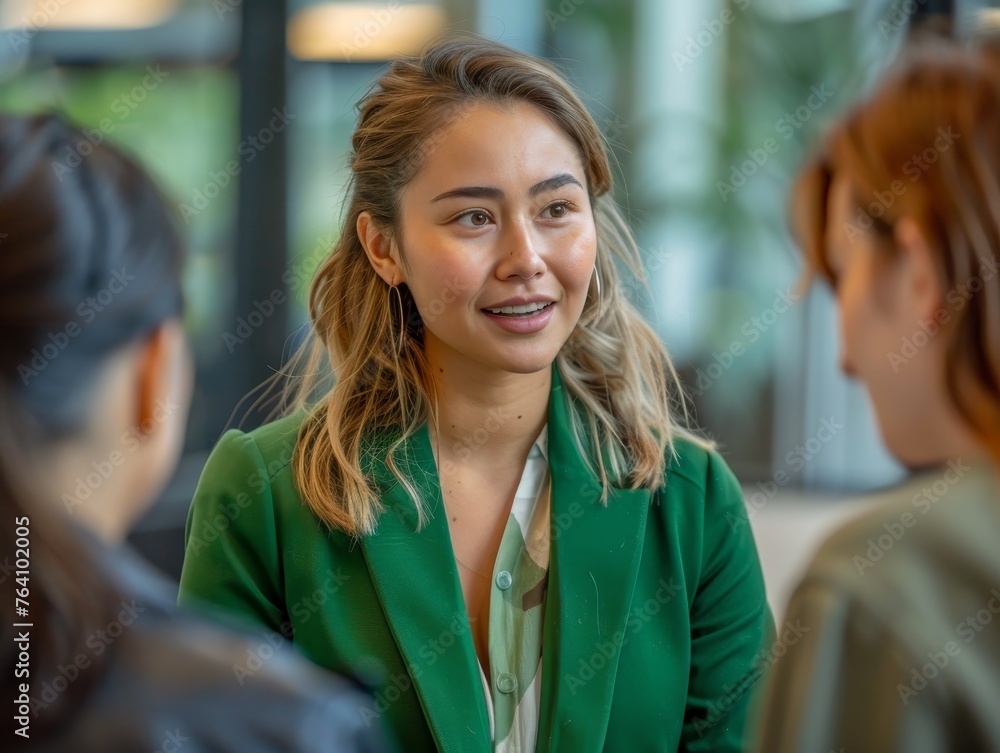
{"points": [[489, 144]]}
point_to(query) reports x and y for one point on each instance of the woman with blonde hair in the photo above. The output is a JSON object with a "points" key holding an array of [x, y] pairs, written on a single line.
{"points": [[493, 514], [900, 213]]}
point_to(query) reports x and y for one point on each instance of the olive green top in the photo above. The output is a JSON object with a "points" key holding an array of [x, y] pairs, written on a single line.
{"points": [[897, 624]]}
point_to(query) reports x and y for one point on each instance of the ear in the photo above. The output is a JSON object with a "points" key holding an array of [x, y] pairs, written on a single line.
{"points": [[380, 249], [163, 379], [920, 284]]}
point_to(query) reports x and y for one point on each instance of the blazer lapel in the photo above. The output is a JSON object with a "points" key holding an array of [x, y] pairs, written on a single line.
{"points": [[594, 563], [417, 582]]}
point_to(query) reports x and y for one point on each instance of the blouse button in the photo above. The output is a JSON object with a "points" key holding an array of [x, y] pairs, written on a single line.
{"points": [[506, 682], [504, 580]]}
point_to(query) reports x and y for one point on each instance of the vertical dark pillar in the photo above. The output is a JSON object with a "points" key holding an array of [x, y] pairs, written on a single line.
{"points": [[261, 241]]}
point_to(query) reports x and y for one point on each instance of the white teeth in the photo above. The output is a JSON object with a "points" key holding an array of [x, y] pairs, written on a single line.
{"points": [[526, 309]]}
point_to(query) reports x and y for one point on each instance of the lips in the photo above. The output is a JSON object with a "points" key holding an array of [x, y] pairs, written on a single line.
{"points": [[519, 309], [527, 323]]}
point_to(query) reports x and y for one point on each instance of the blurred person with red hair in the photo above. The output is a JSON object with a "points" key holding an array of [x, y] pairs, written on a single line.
{"points": [[900, 610]]}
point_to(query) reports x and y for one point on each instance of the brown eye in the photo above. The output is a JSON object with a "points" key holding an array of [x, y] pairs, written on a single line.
{"points": [[475, 218], [557, 211]]}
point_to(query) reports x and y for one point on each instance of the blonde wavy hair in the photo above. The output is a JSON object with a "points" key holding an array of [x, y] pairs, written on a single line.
{"points": [[613, 364], [925, 144]]}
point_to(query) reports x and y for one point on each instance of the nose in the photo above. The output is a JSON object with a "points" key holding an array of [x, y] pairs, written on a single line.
{"points": [[519, 253], [846, 367]]}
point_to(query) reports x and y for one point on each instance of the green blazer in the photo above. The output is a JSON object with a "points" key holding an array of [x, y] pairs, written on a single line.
{"points": [[656, 625]]}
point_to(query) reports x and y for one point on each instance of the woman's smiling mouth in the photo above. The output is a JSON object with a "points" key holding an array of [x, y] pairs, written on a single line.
{"points": [[519, 310], [521, 318]]}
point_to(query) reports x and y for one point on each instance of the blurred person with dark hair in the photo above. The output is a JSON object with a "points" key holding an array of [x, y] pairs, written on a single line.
{"points": [[95, 383], [900, 610]]}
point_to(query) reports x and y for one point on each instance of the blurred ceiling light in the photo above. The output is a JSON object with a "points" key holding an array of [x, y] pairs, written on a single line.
{"points": [[84, 14], [363, 31], [988, 20]]}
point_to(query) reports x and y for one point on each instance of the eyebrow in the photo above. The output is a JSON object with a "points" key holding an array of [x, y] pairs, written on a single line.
{"points": [[491, 192]]}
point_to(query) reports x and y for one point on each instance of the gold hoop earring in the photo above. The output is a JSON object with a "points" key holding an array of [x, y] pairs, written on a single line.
{"points": [[402, 318], [597, 282]]}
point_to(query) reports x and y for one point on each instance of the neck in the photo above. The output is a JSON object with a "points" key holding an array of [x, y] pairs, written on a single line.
{"points": [[488, 415], [944, 436]]}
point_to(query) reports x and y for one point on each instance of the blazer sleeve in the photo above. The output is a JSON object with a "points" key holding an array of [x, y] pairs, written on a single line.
{"points": [[731, 622], [232, 566]]}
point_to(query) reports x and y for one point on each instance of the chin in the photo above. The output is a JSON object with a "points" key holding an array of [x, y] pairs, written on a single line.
{"points": [[518, 357], [906, 448], [526, 366], [531, 369]]}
